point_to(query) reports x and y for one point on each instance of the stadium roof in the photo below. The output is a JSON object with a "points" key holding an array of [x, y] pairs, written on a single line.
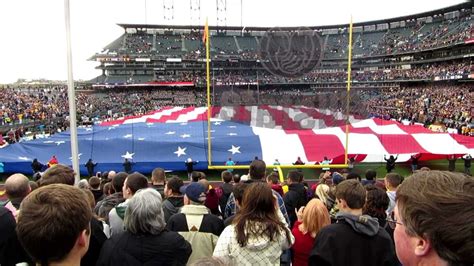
{"points": [[466, 5]]}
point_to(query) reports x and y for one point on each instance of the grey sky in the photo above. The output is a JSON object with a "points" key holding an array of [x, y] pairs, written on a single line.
{"points": [[33, 42]]}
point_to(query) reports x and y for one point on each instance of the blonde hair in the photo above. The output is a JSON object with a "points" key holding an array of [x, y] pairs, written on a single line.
{"points": [[322, 191], [315, 217]]}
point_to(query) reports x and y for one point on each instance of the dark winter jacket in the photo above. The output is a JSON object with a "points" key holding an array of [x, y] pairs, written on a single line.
{"points": [[353, 240], [294, 199], [106, 205], [166, 248], [210, 223], [171, 206]]}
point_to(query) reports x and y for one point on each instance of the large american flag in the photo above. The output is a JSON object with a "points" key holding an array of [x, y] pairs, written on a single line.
{"points": [[167, 137]]}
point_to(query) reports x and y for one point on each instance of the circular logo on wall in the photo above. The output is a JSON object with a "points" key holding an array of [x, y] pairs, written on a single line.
{"points": [[290, 53]]}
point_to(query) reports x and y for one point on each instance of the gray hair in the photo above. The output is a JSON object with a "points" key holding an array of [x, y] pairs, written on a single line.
{"points": [[144, 214], [83, 184]]}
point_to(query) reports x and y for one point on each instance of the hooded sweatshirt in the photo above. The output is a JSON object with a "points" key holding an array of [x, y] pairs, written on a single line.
{"points": [[116, 216], [259, 249], [353, 240], [171, 206]]}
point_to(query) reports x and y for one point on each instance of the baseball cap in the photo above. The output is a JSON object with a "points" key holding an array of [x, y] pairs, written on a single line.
{"points": [[194, 191]]}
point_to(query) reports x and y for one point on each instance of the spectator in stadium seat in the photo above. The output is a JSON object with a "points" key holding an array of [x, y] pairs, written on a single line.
{"points": [[311, 218], [257, 172], [296, 196], [103, 207], [64, 216], [259, 232], [158, 178], [359, 236], [434, 221], [132, 184], [392, 181], [174, 199], [145, 240], [390, 165], [17, 187], [195, 223]]}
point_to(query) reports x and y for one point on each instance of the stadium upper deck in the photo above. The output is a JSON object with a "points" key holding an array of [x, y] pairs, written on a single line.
{"points": [[166, 53]]}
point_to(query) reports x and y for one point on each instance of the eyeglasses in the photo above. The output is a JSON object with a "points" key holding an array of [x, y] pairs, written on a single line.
{"points": [[392, 222]]}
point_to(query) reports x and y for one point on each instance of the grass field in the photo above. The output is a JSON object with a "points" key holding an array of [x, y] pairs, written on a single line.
{"points": [[310, 174]]}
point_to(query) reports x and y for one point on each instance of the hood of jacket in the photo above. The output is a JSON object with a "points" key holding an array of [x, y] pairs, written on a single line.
{"points": [[297, 187], [174, 203], [121, 208], [363, 224]]}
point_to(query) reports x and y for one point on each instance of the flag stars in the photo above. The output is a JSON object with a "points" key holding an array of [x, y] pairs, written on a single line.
{"points": [[180, 151], [234, 149], [128, 155]]}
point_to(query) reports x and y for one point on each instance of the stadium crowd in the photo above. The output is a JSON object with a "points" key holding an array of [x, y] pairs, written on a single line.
{"points": [[123, 219], [414, 36], [45, 110]]}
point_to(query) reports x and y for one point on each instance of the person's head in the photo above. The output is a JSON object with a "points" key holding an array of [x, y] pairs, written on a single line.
{"points": [[424, 168], [205, 184], [111, 175], [194, 194], [273, 179], [226, 176], [90, 198], [239, 192], [353, 176], [325, 158], [17, 186], [94, 182], [315, 217], [337, 178], [172, 186], [370, 174], [236, 178], [322, 191], [158, 176], [83, 184], [58, 174], [108, 189], [195, 176], [257, 170], [54, 224], [376, 203], [118, 181], [90, 160], [392, 181], [258, 215], [294, 176], [391, 157], [144, 214], [133, 183], [350, 195], [435, 221], [33, 185]]}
